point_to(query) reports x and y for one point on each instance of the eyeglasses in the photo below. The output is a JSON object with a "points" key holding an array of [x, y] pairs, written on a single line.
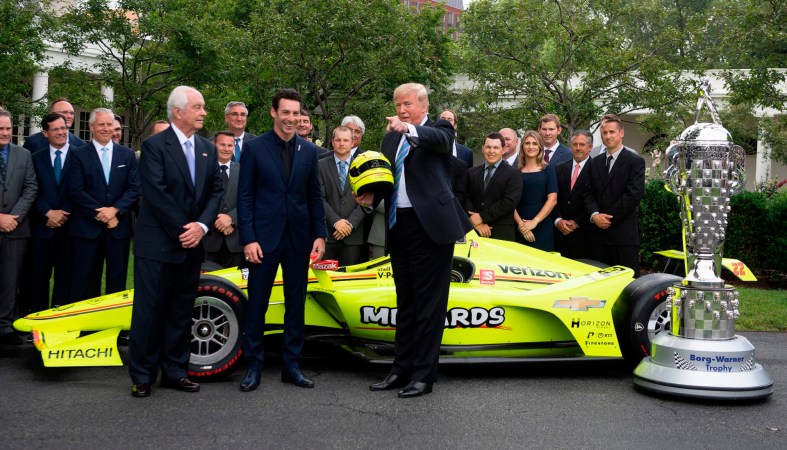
{"points": [[237, 114]]}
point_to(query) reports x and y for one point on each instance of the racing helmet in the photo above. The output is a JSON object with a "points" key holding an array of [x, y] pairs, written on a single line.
{"points": [[370, 171]]}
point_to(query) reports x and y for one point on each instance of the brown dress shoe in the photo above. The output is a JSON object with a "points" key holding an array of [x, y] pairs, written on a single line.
{"points": [[182, 384], [140, 390]]}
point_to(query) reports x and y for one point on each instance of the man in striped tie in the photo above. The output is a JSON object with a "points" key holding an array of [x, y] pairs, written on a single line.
{"points": [[424, 221]]}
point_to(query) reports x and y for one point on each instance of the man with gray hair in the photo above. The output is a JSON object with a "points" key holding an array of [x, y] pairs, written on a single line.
{"points": [[235, 116], [181, 195], [571, 221], [355, 124], [104, 187], [19, 186]]}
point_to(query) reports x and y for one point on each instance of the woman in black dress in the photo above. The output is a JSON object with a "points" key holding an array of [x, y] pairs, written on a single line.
{"points": [[539, 195]]}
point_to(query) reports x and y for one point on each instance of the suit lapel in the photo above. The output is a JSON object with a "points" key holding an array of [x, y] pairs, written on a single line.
{"points": [[96, 161], [10, 164], [200, 164]]}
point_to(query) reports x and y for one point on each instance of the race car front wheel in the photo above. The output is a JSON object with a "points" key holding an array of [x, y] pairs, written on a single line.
{"points": [[647, 315], [216, 333]]}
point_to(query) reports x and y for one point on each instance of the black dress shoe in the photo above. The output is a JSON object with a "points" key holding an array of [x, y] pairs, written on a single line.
{"points": [[181, 384], [296, 377], [415, 389], [251, 381], [140, 390], [390, 382]]}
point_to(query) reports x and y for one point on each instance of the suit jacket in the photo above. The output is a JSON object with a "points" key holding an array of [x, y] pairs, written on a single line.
{"points": [[464, 154], [496, 204], [617, 193], [339, 203], [18, 192], [427, 170], [561, 154], [37, 142], [89, 190], [270, 203], [229, 204], [170, 200], [459, 179], [571, 202], [51, 195]]}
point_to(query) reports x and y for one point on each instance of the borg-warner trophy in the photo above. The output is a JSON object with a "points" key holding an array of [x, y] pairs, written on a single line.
{"points": [[701, 356]]}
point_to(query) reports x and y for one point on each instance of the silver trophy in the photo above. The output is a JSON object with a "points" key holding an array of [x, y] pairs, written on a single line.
{"points": [[701, 356]]}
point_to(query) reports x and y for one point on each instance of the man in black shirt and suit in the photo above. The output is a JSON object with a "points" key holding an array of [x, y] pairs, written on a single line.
{"points": [[617, 182], [494, 189], [571, 221], [424, 220]]}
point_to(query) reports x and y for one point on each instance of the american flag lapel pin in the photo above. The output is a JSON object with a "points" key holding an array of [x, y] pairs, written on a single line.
{"points": [[204, 155]]}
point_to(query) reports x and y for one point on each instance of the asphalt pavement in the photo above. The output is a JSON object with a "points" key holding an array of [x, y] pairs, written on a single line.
{"points": [[555, 405]]}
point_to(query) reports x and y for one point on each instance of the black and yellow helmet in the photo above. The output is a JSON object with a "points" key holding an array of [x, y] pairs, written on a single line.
{"points": [[371, 172]]}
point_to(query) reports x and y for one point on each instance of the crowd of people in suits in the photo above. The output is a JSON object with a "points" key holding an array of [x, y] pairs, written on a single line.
{"points": [[237, 194]]}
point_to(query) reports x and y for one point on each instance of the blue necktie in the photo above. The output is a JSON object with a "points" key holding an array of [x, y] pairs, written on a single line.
{"points": [[105, 162], [58, 167], [190, 159], [404, 150], [342, 174], [237, 149]]}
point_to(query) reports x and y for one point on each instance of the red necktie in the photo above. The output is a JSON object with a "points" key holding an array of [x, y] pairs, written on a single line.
{"points": [[574, 175]]}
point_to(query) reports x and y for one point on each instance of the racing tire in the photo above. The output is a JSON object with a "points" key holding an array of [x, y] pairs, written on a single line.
{"points": [[646, 316], [210, 266], [217, 328]]}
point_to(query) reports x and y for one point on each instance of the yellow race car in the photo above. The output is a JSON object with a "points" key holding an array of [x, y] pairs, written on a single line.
{"points": [[508, 302]]}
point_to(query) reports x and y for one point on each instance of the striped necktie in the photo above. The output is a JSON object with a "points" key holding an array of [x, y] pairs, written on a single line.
{"points": [[404, 150]]}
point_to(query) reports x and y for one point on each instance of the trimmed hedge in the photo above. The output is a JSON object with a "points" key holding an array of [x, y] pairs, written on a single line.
{"points": [[756, 229]]}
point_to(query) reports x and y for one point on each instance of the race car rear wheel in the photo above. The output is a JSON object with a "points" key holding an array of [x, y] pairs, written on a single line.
{"points": [[217, 321], [647, 316]]}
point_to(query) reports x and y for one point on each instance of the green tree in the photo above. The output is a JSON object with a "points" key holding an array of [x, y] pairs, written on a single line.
{"points": [[147, 47], [573, 59], [24, 24], [345, 56]]}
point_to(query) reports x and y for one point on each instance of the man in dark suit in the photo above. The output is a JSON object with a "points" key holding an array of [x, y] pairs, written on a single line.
{"points": [[554, 152], [572, 239], [460, 151], [181, 194], [49, 220], [235, 116], [494, 190], [39, 141], [223, 246], [617, 182], [511, 147], [424, 221], [18, 188], [281, 217], [104, 187], [343, 215]]}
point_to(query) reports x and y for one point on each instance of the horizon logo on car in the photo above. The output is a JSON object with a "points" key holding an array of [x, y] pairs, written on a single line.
{"points": [[524, 270], [579, 303], [474, 317], [72, 353]]}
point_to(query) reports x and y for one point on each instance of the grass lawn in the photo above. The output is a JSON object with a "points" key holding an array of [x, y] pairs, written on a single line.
{"points": [[762, 310]]}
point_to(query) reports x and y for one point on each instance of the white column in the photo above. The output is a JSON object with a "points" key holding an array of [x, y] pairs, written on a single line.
{"points": [[109, 94], [40, 89], [763, 172]]}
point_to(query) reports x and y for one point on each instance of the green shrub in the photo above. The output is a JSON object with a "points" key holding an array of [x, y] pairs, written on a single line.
{"points": [[659, 222], [746, 229], [775, 255]]}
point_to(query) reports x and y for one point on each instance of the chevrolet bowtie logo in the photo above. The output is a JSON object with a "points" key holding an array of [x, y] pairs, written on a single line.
{"points": [[579, 303]]}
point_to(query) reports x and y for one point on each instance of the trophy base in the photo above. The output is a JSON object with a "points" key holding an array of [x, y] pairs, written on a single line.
{"points": [[722, 369]]}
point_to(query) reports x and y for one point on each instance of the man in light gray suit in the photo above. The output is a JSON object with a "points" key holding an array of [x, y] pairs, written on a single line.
{"points": [[223, 244], [17, 194], [343, 215]]}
